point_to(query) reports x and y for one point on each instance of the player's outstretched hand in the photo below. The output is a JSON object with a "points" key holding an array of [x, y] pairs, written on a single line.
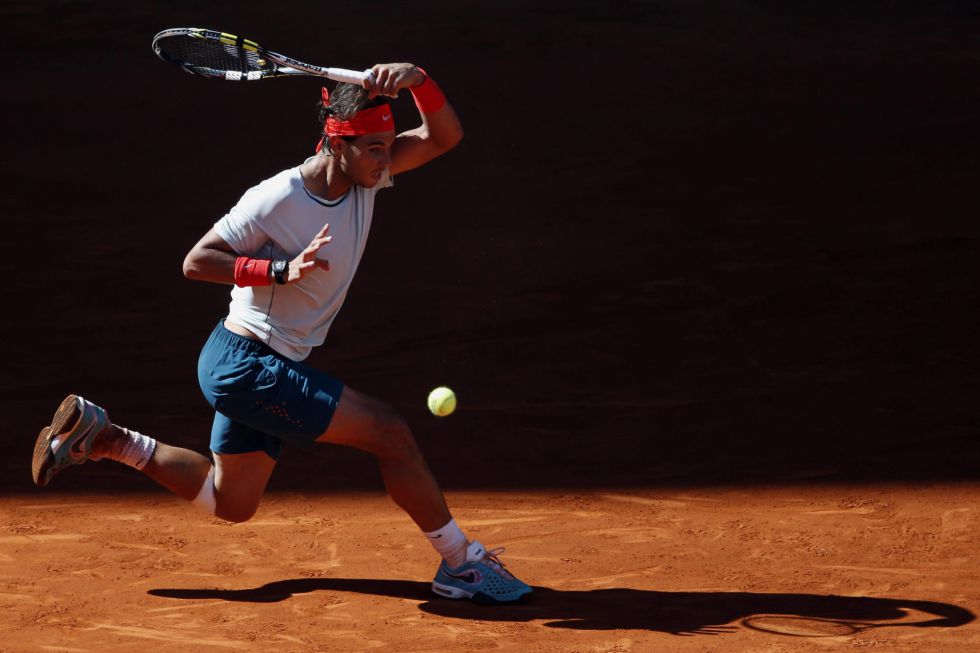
{"points": [[389, 78], [307, 260]]}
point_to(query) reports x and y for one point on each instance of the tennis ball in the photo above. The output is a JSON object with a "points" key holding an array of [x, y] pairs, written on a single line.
{"points": [[442, 401]]}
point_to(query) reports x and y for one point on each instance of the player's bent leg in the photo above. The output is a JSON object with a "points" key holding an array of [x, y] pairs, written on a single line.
{"points": [[80, 431], [240, 480], [370, 425], [180, 470]]}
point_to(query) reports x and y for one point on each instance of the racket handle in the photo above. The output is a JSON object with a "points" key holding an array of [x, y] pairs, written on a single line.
{"points": [[349, 76]]}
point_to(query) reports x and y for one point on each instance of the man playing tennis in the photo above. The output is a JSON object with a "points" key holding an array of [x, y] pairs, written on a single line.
{"points": [[291, 247]]}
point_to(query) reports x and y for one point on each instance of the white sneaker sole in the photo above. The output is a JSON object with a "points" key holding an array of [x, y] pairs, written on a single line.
{"points": [[450, 592]]}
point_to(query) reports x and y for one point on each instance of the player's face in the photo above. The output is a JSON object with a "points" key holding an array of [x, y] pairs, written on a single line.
{"points": [[366, 157]]}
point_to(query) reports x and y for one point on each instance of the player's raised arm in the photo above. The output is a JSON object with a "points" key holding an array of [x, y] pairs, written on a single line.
{"points": [[440, 130]]}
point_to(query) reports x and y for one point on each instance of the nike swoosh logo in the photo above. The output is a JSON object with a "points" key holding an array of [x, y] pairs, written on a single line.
{"points": [[75, 450], [386, 118], [471, 577]]}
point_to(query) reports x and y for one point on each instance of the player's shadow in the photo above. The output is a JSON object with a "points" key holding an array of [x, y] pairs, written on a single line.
{"points": [[679, 613]]}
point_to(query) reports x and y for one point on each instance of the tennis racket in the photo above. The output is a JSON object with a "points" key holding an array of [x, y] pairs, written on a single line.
{"points": [[226, 56], [796, 626]]}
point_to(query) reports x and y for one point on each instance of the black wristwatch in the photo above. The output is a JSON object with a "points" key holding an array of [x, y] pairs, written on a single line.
{"points": [[280, 267]]}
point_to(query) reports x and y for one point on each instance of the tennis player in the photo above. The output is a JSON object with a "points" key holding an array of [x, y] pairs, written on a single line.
{"points": [[291, 247]]}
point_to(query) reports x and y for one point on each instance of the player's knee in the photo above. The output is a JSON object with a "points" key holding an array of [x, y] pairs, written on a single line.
{"points": [[236, 513], [395, 439]]}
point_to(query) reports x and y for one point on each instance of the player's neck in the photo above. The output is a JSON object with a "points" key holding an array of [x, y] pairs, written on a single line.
{"points": [[323, 177]]}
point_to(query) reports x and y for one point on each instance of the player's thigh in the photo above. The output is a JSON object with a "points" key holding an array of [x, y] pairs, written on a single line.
{"points": [[240, 480], [363, 422]]}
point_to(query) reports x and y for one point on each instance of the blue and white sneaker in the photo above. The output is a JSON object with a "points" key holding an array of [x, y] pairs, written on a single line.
{"points": [[482, 578], [68, 440]]}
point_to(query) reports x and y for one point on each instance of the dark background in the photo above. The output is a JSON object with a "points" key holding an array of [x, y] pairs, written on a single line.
{"points": [[681, 243]]}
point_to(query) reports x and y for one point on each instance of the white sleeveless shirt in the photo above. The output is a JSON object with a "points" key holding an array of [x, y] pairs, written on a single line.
{"points": [[277, 220]]}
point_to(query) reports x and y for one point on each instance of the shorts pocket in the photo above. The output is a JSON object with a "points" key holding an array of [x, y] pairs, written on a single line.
{"points": [[239, 390]]}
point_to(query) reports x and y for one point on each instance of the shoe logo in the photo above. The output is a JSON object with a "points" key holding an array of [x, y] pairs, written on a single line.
{"points": [[386, 118], [75, 450], [471, 577]]}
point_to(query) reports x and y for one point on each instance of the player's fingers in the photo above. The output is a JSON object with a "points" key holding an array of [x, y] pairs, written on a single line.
{"points": [[317, 244], [397, 83], [369, 82], [322, 233], [381, 77], [372, 84], [392, 85]]}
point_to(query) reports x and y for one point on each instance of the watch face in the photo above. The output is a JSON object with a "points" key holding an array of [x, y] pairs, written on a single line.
{"points": [[279, 270]]}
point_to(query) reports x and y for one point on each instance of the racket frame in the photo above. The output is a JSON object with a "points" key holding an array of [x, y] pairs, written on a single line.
{"points": [[284, 65]]}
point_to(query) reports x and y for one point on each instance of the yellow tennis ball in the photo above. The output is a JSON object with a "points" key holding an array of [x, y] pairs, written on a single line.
{"points": [[442, 401]]}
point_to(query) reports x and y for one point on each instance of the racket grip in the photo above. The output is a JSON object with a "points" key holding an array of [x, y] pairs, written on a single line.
{"points": [[349, 76]]}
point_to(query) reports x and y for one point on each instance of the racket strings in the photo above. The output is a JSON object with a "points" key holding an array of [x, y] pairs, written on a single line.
{"points": [[212, 55]]}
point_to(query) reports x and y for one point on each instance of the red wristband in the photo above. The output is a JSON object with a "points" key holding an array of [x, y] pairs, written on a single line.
{"points": [[428, 96], [252, 272]]}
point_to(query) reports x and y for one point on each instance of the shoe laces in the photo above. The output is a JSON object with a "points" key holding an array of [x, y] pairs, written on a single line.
{"points": [[491, 559]]}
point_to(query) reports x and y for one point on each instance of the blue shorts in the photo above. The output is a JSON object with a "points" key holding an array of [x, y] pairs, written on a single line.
{"points": [[261, 398]]}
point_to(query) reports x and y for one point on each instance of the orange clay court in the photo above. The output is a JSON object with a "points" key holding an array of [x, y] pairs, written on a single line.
{"points": [[769, 569], [702, 275]]}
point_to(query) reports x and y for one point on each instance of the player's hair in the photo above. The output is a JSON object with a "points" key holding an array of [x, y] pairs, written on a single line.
{"points": [[345, 101]]}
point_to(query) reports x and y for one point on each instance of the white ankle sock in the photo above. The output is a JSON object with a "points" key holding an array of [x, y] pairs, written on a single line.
{"points": [[135, 449], [450, 542]]}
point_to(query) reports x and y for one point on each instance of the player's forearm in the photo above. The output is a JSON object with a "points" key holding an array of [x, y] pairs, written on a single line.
{"points": [[208, 264], [213, 259], [440, 124], [442, 128]]}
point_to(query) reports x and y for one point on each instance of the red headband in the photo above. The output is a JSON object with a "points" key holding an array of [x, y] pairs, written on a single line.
{"points": [[366, 121]]}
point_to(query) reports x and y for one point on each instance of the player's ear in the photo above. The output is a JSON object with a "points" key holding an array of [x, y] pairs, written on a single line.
{"points": [[337, 144]]}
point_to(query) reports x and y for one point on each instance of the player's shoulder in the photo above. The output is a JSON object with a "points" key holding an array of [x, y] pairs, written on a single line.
{"points": [[281, 184], [286, 181], [264, 197]]}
